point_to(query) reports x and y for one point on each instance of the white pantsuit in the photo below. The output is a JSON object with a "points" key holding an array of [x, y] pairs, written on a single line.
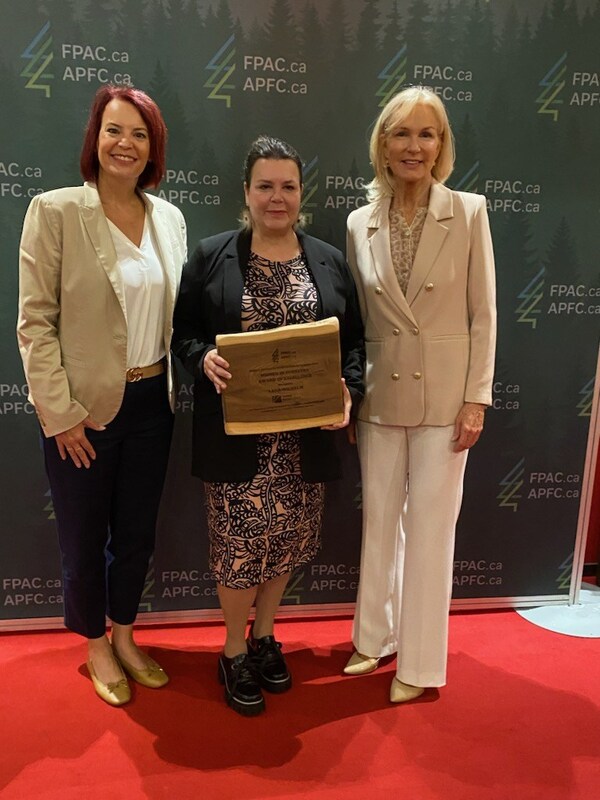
{"points": [[406, 610], [428, 352]]}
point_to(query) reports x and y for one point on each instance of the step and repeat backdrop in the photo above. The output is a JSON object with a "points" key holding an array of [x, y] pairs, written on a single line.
{"points": [[522, 85]]}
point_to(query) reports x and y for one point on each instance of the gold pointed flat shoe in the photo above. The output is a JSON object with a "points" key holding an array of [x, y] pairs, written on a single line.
{"points": [[153, 676], [402, 692], [115, 694], [360, 665]]}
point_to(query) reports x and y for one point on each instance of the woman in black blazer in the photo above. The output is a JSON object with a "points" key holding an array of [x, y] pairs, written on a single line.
{"points": [[264, 492]]}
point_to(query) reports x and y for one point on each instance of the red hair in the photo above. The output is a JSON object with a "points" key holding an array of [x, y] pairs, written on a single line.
{"points": [[157, 130]]}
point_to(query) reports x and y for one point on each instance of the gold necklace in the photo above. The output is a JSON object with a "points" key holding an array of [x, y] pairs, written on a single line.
{"points": [[406, 241], [407, 230]]}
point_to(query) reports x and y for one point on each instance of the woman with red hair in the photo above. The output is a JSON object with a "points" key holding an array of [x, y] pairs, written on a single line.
{"points": [[99, 271]]}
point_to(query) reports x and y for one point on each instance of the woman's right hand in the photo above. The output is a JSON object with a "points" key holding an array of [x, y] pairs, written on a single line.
{"points": [[216, 370], [74, 443]]}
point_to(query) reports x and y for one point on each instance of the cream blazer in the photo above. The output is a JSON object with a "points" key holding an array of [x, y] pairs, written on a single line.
{"points": [[72, 325], [433, 350]]}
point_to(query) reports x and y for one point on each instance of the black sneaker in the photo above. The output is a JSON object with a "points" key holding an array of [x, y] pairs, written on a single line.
{"points": [[242, 692], [269, 663]]}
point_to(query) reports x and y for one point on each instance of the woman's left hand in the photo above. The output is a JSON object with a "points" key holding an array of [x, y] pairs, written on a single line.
{"points": [[347, 410], [468, 426]]}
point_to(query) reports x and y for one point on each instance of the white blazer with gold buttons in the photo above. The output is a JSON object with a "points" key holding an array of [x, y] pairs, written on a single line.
{"points": [[433, 350], [72, 326]]}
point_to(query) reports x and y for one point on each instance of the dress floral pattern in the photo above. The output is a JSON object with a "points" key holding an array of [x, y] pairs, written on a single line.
{"points": [[270, 525]]}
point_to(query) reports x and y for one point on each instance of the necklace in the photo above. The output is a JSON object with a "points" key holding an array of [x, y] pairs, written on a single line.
{"points": [[404, 240]]}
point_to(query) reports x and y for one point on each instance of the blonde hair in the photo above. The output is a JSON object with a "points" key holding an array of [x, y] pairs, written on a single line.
{"points": [[393, 114]]}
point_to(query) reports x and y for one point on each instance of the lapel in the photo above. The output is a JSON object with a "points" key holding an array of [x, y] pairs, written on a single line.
{"points": [[318, 267], [432, 238], [235, 260], [97, 228], [162, 237], [378, 236]]}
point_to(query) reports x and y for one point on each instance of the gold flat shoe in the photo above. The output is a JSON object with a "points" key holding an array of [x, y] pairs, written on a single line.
{"points": [[115, 694], [360, 665], [153, 676], [401, 692]]}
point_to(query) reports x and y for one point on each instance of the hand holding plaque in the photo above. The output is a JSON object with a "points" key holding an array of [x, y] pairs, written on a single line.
{"points": [[283, 379]]}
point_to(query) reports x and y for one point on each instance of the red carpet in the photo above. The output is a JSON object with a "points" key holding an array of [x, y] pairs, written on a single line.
{"points": [[519, 720]]}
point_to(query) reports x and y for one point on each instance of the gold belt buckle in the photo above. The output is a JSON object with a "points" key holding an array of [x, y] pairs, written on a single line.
{"points": [[134, 374]]}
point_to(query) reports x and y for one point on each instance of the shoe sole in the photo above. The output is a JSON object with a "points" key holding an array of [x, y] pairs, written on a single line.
{"points": [[277, 687], [359, 671], [246, 710]]}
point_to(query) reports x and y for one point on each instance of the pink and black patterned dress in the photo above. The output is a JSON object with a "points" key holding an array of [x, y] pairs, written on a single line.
{"points": [[268, 526]]}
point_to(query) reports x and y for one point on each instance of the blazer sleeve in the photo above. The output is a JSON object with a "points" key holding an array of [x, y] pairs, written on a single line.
{"points": [[481, 298], [40, 267], [191, 338], [182, 231], [353, 264], [179, 232], [352, 342]]}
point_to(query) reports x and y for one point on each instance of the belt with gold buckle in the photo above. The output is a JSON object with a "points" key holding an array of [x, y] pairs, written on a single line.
{"points": [[134, 374]]}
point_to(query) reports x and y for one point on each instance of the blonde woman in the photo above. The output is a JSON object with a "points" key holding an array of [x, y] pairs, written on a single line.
{"points": [[421, 255]]}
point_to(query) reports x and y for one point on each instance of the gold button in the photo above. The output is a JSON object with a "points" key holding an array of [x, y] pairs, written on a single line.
{"points": [[415, 331], [417, 376], [378, 290], [395, 376], [396, 331], [429, 287]]}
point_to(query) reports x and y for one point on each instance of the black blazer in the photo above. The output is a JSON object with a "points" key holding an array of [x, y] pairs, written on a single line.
{"points": [[210, 302]]}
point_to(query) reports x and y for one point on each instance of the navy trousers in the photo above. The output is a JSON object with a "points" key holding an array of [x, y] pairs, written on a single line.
{"points": [[106, 515]]}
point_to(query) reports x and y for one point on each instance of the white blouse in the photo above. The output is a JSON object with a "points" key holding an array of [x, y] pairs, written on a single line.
{"points": [[144, 285]]}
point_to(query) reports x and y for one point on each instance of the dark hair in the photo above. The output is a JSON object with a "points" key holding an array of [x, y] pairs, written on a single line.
{"points": [[269, 147], [157, 130]]}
